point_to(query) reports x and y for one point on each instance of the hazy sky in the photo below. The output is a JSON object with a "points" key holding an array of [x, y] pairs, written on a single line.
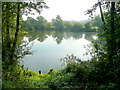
{"points": [[67, 9]]}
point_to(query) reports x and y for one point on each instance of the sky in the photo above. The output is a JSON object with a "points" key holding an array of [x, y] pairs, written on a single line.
{"points": [[67, 9]]}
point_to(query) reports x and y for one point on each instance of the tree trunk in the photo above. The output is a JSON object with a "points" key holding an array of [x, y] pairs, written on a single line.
{"points": [[102, 16], [16, 32], [112, 32]]}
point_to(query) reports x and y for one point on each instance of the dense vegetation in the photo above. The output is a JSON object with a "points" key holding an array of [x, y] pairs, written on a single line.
{"points": [[102, 71], [57, 24]]}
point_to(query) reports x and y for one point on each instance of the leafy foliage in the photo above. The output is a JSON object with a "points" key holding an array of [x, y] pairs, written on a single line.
{"points": [[102, 71], [57, 24], [13, 46]]}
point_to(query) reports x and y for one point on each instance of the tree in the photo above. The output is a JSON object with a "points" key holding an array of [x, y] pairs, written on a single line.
{"points": [[96, 21], [30, 24], [107, 48], [58, 23], [87, 25], [12, 31], [41, 23], [67, 25], [77, 26]]}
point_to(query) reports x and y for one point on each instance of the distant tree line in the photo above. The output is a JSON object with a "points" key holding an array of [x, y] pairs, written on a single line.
{"points": [[41, 24]]}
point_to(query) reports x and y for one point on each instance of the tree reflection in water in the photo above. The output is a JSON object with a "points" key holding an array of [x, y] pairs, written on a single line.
{"points": [[59, 36]]}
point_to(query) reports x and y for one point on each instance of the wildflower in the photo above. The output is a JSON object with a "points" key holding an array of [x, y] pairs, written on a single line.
{"points": [[8, 74]]}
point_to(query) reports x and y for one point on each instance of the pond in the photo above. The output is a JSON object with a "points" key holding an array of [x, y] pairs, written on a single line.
{"points": [[50, 48]]}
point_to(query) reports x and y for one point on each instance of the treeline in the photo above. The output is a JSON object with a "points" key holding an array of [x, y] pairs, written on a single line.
{"points": [[41, 24], [102, 71]]}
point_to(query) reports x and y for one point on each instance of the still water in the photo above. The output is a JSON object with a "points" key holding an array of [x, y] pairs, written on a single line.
{"points": [[47, 52]]}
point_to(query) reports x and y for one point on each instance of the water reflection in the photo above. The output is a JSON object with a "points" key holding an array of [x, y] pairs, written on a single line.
{"points": [[51, 46], [59, 36]]}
